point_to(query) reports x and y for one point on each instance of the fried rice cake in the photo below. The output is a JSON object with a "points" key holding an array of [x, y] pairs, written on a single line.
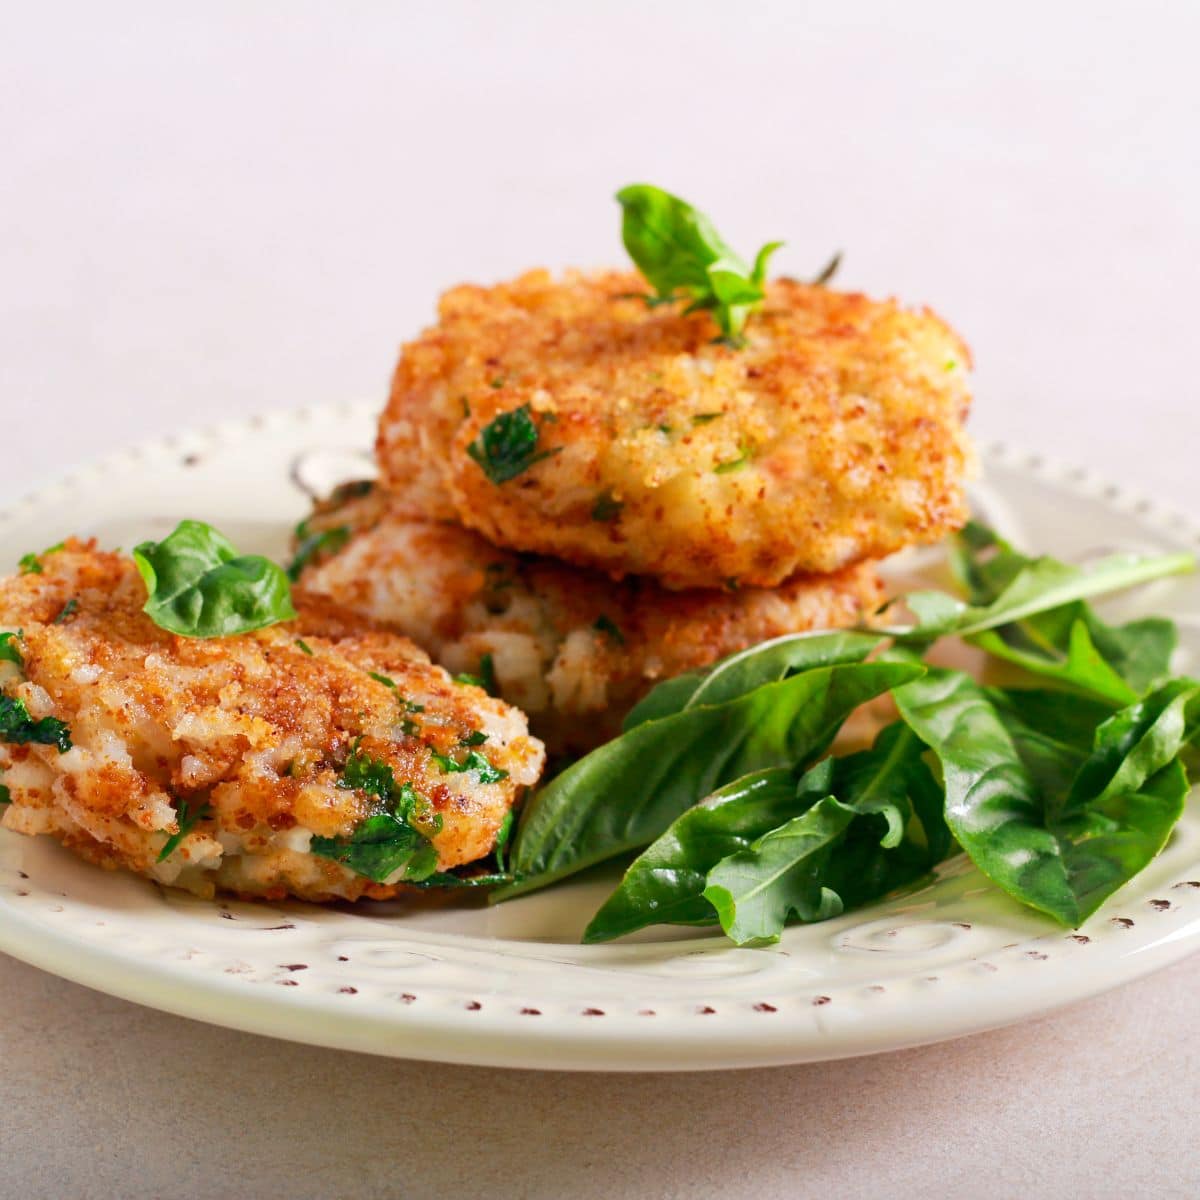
{"points": [[324, 758], [567, 417], [571, 647]]}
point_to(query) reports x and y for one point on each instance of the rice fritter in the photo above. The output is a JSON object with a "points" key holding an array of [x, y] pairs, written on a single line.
{"points": [[322, 758], [568, 417], [572, 648]]}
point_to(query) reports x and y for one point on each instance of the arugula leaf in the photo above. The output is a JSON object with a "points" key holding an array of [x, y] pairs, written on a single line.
{"points": [[198, 586], [507, 446], [9, 651], [381, 846], [624, 794], [187, 818], [1060, 849], [310, 543], [678, 250], [18, 727]]}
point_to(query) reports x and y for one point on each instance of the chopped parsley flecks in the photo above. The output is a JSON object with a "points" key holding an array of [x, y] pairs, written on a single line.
{"points": [[6, 795], [606, 507], [30, 564], [387, 683], [18, 727], [606, 625], [187, 818], [486, 678], [734, 464], [508, 445], [497, 382], [474, 761], [705, 418], [475, 738], [8, 649], [67, 609], [304, 647], [362, 773], [310, 543]]}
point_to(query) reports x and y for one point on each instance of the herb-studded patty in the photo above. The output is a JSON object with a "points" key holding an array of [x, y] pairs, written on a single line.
{"points": [[570, 418], [572, 648], [321, 757]]}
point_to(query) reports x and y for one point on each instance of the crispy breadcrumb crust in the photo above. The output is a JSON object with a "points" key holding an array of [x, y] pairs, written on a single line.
{"points": [[258, 727], [834, 436], [571, 647]]}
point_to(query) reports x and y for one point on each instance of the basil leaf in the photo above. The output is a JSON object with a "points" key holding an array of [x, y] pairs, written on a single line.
{"points": [[381, 846], [739, 673], [19, 728], [199, 586], [1037, 586], [9, 651], [507, 446], [665, 884], [187, 818], [756, 891], [871, 822], [1061, 850], [624, 794], [1069, 644], [678, 250]]}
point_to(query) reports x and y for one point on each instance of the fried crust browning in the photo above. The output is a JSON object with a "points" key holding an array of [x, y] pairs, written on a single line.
{"points": [[834, 436]]}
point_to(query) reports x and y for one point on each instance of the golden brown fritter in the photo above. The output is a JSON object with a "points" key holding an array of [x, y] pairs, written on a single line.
{"points": [[255, 732], [834, 436], [569, 646]]}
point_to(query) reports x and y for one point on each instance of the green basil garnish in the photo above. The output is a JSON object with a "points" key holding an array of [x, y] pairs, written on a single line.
{"points": [[199, 586]]}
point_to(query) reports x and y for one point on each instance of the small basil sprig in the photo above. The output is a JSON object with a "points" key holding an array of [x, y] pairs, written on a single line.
{"points": [[678, 250], [199, 586]]}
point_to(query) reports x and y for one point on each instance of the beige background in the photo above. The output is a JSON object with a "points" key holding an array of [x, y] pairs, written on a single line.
{"points": [[210, 209]]}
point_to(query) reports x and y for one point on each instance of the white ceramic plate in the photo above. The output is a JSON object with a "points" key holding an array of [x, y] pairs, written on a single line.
{"points": [[511, 985]]}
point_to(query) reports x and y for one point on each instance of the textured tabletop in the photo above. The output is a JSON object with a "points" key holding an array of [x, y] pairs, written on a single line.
{"points": [[214, 209]]}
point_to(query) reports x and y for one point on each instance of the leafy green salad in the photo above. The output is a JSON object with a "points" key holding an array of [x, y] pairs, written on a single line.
{"points": [[1060, 785]]}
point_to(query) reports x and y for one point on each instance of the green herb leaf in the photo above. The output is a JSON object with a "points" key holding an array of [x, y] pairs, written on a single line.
{"points": [[18, 727], [1036, 586], [199, 586], [606, 625], [8, 649], [1069, 644], [187, 818], [5, 795], [486, 678], [606, 508], [872, 822], [1057, 847], [678, 250], [502, 836], [304, 647], [474, 761], [30, 564], [508, 445], [67, 610], [366, 774], [311, 543], [623, 795], [382, 846]]}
